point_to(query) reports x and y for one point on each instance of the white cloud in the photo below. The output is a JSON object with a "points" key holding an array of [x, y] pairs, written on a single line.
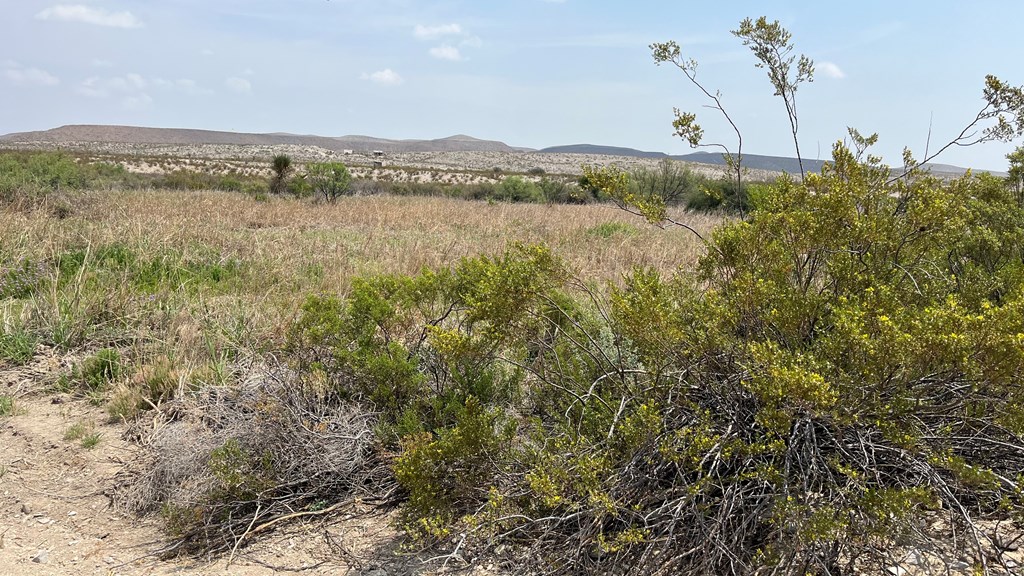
{"points": [[100, 63], [830, 69], [134, 81], [89, 15], [92, 87], [133, 90], [387, 77], [139, 101], [20, 76], [130, 88], [433, 32], [446, 53], [456, 39], [183, 85], [96, 87], [239, 85]]}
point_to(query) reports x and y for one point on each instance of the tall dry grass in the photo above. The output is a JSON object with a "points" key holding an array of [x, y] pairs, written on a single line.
{"points": [[280, 251], [375, 234]]}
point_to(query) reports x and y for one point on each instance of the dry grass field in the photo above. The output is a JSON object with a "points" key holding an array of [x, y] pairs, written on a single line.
{"points": [[228, 275], [147, 333]]}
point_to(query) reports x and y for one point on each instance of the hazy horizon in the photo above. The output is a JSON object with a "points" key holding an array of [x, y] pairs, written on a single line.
{"points": [[535, 73]]}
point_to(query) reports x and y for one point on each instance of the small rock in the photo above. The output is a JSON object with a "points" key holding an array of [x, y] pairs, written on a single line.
{"points": [[44, 520], [110, 560], [896, 570], [72, 513], [1006, 543], [914, 557], [41, 557], [25, 508], [1011, 564]]}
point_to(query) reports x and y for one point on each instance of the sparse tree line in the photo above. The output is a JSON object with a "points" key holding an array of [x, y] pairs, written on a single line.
{"points": [[34, 175]]}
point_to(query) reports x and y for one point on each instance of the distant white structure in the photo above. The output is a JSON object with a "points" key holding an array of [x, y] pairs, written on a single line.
{"points": [[378, 153], [346, 152]]}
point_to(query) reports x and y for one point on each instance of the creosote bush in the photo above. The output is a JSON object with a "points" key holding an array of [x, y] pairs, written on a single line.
{"points": [[843, 365]]}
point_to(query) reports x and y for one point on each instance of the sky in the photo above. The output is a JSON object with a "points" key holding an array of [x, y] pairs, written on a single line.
{"points": [[531, 73]]}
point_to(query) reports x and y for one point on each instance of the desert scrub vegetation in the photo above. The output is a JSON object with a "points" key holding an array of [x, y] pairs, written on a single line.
{"points": [[838, 370], [841, 367]]}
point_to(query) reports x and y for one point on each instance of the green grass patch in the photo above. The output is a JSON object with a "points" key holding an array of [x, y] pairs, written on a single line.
{"points": [[95, 374], [608, 229], [7, 405], [17, 346], [165, 269]]}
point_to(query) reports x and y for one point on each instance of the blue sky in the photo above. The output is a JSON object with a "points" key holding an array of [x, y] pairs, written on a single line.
{"points": [[528, 72]]}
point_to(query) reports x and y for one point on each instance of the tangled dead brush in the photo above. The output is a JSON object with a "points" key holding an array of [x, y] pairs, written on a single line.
{"points": [[230, 462]]}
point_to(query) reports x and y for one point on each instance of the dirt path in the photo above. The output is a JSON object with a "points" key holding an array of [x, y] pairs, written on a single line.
{"points": [[55, 518]]}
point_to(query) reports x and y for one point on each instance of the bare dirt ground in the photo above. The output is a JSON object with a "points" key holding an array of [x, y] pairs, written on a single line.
{"points": [[56, 519]]}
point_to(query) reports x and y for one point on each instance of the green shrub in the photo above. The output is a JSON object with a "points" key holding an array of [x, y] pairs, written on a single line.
{"points": [[31, 176], [397, 343], [300, 187], [556, 191], [330, 180], [518, 189], [448, 475], [95, 373], [842, 365], [193, 180]]}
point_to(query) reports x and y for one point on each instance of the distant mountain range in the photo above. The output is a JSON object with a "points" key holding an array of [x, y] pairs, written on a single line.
{"points": [[457, 143], [173, 136], [752, 161]]}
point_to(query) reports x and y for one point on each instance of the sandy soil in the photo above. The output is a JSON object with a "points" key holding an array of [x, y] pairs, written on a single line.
{"points": [[55, 517]]}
